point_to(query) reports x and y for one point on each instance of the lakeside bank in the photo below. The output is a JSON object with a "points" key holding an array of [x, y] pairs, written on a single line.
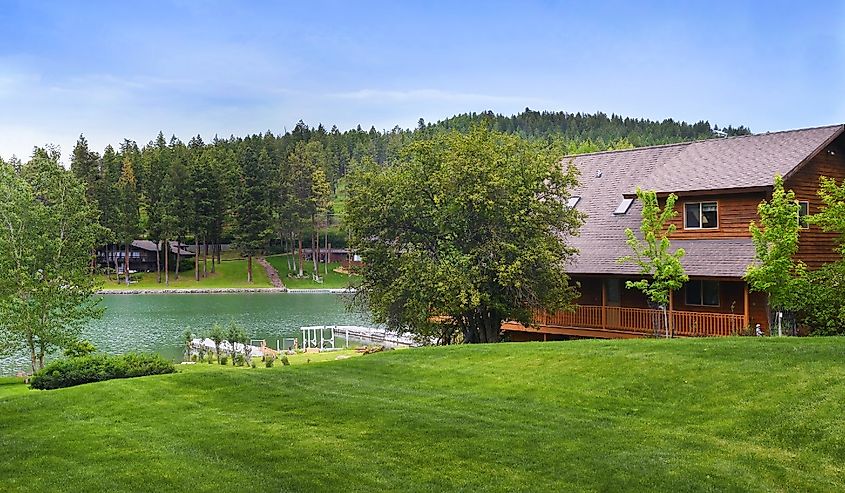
{"points": [[227, 290]]}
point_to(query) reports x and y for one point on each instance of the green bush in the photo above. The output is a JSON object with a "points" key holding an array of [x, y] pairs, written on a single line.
{"points": [[285, 361], [224, 360], [86, 369], [823, 300], [239, 360], [76, 349], [268, 362]]}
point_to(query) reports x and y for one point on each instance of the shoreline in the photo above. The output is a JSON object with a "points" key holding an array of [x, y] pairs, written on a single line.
{"points": [[226, 290]]}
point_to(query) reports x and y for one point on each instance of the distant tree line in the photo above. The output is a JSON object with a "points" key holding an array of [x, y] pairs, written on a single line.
{"points": [[282, 189], [598, 128]]}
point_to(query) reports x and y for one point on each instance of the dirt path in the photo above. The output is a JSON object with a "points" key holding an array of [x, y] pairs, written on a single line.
{"points": [[272, 273]]}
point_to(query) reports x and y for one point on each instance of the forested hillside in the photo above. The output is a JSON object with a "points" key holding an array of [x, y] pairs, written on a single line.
{"points": [[279, 188], [598, 127]]}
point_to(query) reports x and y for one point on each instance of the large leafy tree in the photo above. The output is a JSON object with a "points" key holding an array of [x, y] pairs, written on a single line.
{"points": [[653, 254], [48, 229], [466, 232], [775, 271]]}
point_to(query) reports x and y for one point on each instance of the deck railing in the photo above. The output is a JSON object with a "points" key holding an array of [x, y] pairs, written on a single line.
{"points": [[645, 321]]}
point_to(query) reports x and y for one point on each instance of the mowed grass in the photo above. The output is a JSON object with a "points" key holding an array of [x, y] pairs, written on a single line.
{"points": [[643, 415], [333, 280], [228, 274]]}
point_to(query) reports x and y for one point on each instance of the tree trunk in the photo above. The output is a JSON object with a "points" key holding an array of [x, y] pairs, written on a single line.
{"points": [[126, 264], [213, 254], [328, 253], [249, 268], [316, 240], [32, 359], [178, 255], [205, 257], [158, 260], [166, 262], [300, 255], [196, 258], [293, 252], [114, 257]]}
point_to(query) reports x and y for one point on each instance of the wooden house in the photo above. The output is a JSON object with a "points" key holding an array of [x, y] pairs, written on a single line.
{"points": [[719, 184], [142, 256]]}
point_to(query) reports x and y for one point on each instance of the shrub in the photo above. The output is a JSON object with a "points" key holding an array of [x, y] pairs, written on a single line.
{"points": [[239, 360], [268, 362], [254, 365], [284, 360], [76, 349], [224, 360], [823, 309], [86, 369]]}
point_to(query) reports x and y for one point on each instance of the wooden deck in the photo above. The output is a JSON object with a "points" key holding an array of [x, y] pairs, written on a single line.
{"points": [[616, 322]]}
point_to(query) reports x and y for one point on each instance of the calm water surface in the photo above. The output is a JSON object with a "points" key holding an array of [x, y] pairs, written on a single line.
{"points": [[156, 322]]}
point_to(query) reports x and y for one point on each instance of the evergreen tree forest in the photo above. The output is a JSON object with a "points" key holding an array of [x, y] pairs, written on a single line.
{"points": [[282, 191]]}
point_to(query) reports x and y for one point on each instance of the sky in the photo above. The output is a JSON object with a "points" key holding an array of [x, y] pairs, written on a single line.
{"points": [[114, 70]]}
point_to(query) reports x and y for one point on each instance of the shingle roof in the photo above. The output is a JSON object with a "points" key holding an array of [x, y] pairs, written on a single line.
{"points": [[717, 164], [151, 246]]}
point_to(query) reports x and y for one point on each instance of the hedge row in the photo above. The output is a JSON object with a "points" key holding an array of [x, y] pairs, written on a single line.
{"points": [[95, 368]]}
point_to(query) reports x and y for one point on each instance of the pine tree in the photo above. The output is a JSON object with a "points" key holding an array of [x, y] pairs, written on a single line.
{"points": [[128, 212], [253, 227]]}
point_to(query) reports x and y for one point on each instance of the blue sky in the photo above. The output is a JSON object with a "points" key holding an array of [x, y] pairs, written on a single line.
{"points": [[129, 69]]}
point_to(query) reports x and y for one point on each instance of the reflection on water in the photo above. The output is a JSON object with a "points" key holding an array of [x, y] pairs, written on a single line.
{"points": [[157, 322]]}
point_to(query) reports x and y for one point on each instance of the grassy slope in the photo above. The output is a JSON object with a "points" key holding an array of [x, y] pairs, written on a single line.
{"points": [[679, 415], [332, 280], [229, 274]]}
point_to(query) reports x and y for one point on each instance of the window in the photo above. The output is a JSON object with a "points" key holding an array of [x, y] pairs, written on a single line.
{"points": [[573, 201], [803, 211], [701, 215], [702, 293], [623, 207]]}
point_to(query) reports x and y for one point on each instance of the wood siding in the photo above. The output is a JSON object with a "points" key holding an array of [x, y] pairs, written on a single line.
{"points": [[817, 247], [735, 213]]}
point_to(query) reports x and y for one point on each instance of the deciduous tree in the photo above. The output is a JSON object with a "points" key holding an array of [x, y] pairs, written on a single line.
{"points": [[775, 271], [48, 229], [466, 232], [652, 253]]}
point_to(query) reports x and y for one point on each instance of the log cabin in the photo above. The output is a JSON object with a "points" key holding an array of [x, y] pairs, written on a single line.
{"points": [[719, 184], [142, 256]]}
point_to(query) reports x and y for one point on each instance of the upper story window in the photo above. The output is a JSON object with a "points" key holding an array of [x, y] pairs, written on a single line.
{"points": [[701, 215], [803, 212], [573, 201]]}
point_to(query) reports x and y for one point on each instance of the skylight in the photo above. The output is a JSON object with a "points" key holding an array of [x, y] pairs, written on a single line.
{"points": [[623, 207], [573, 201]]}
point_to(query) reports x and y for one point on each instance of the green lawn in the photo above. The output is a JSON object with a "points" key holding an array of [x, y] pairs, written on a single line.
{"points": [[332, 280], [641, 415], [229, 274]]}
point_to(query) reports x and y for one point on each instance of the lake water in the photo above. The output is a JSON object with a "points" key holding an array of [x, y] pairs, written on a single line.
{"points": [[157, 322]]}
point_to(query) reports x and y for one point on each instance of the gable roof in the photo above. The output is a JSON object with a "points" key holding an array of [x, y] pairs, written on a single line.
{"points": [[151, 246], [711, 165]]}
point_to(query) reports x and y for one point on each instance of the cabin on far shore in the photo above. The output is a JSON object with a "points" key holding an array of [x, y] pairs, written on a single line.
{"points": [[719, 184], [142, 256]]}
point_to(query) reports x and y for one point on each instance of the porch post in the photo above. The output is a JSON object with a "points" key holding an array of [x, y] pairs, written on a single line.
{"points": [[603, 304], [746, 318]]}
